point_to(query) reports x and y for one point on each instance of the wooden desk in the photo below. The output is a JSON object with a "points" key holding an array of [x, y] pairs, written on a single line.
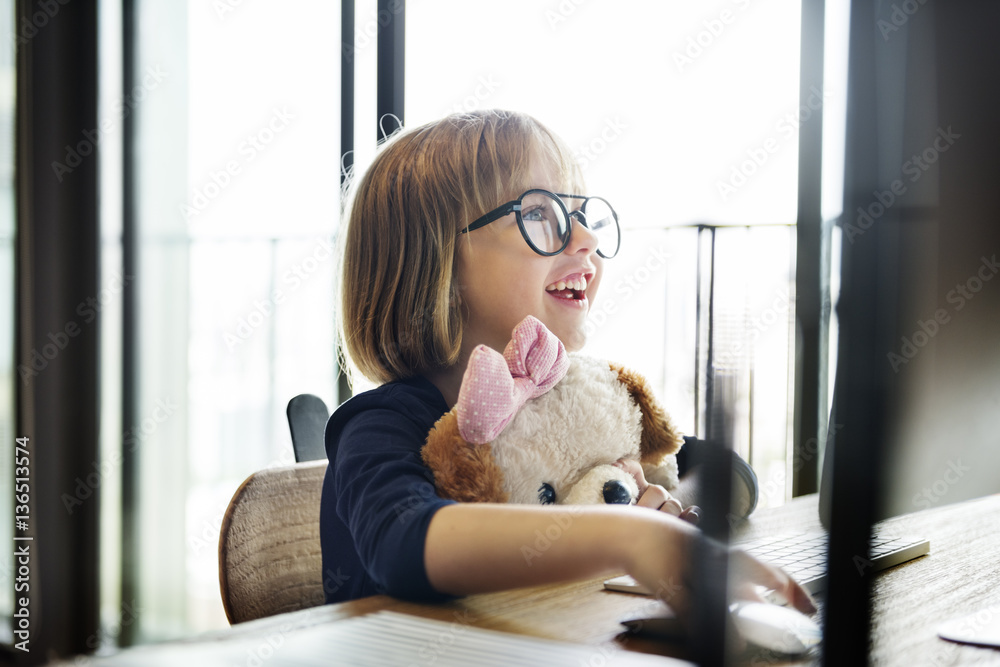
{"points": [[960, 576]]}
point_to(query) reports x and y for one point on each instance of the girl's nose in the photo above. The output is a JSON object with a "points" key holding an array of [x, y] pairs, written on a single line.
{"points": [[581, 238]]}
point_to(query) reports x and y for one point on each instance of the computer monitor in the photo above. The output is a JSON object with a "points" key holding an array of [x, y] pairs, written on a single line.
{"points": [[917, 398]]}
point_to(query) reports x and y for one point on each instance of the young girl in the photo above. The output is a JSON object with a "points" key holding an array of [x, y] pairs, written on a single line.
{"points": [[438, 258]]}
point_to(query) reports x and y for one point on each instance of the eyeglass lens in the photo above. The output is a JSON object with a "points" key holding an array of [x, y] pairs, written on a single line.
{"points": [[600, 220], [544, 221], [547, 227]]}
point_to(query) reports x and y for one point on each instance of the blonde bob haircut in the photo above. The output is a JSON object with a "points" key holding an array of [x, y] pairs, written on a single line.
{"points": [[399, 312]]}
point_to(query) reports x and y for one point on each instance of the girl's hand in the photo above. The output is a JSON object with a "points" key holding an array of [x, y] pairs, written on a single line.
{"points": [[747, 574], [662, 561], [655, 496]]}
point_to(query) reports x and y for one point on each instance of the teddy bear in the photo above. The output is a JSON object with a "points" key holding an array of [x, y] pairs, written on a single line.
{"points": [[537, 425]]}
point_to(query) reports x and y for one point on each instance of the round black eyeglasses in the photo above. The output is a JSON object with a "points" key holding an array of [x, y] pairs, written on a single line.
{"points": [[545, 223]]}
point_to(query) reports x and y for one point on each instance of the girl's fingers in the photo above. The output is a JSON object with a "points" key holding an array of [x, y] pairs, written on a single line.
{"points": [[749, 570], [691, 514], [657, 498], [634, 468]]}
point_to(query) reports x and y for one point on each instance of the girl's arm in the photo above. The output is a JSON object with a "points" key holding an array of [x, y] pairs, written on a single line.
{"points": [[476, 548], [480, 547]]}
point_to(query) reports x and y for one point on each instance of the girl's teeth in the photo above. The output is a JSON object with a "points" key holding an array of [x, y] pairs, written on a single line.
{"points": [[567, 284]]}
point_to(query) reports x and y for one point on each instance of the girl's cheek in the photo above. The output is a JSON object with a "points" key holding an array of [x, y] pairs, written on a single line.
{"points": [[595, 282]]}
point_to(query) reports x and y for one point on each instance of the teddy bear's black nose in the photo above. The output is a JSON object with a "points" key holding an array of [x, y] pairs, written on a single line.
{"points": [[616, 493]]}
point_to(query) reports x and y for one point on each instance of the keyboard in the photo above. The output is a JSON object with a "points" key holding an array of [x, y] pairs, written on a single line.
{"points": [[803, 556]]}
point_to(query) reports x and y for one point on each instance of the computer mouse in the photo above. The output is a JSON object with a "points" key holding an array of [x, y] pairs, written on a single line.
{"points": [[770, 626]]}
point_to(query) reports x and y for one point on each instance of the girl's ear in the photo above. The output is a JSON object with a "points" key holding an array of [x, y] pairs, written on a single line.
{"points": [[462, 471], [659, 435]]}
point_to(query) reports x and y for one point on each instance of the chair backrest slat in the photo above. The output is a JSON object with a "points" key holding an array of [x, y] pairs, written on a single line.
{"points": [[307, 417]]}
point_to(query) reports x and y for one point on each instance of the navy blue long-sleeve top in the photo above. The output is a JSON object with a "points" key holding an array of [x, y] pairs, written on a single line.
{"points": [[378, 496]]}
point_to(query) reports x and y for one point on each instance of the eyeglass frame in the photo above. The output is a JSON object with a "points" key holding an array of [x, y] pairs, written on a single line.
{"points": [[514, 206]]}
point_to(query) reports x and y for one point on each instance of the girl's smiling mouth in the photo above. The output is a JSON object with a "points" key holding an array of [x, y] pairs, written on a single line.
{"points": [[571, 288]]}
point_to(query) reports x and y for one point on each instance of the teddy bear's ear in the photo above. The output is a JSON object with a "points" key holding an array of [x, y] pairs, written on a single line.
{"points": [[659, 436], [462, 471]]}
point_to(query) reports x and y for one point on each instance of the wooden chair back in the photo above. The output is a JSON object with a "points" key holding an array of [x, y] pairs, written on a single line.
{"points": [[269, 550]]}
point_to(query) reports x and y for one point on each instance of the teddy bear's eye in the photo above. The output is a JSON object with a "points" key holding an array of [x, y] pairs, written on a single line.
{"points": [[546, 494]]}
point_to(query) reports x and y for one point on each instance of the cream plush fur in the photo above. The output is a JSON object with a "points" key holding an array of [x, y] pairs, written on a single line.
{"points": [[568, 438]]}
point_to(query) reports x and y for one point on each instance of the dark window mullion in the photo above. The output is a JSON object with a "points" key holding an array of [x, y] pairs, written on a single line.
{"points": [[130, 547], [812, 265], [391, 57]]}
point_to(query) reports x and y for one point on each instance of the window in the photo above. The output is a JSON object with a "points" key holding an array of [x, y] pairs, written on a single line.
{"points": [[237, 190]]}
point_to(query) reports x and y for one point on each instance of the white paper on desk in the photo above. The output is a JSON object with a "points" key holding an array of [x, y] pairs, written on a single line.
{"points": [[626, 584], [390, 638], [981, 628], [387, 639]]}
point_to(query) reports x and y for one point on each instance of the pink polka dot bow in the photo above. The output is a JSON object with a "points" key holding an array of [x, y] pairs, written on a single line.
{"points": [[495, 386]]}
